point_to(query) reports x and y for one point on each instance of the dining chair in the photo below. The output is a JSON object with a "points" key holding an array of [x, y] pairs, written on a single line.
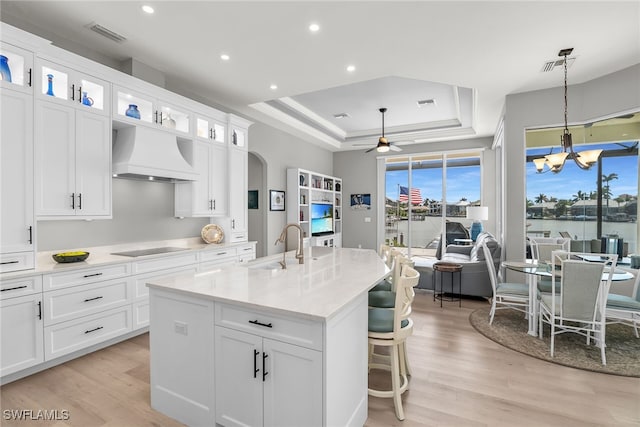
{"points": [[390, 328], [624, 309], [509, 295], [579, 306], [541, 249]]}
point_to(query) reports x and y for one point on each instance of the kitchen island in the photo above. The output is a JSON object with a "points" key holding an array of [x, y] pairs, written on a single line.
{"points": [[256, 344]]}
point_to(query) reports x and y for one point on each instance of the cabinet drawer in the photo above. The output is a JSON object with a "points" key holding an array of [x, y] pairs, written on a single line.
{"points": [[207, 255], [298, 331], [71, 303], [140, 289], [81, 277], [18, 287], [67, 337], [162, 263], [238, 237], [16, 261]]}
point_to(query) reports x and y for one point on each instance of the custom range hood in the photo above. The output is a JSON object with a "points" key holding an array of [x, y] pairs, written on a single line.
{"points": [[149, 154]]}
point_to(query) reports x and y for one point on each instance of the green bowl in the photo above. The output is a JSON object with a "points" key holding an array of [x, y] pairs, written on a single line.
{"points": [[65, 257]]}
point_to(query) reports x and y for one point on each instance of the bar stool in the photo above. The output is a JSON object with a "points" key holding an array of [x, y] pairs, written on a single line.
{"points": [[390, 328]]}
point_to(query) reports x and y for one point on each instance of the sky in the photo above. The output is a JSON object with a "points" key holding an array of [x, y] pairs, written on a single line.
{"points": [[465, 181], [461, 182], [566, 183]]}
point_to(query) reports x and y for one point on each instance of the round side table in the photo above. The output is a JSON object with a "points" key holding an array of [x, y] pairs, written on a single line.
{"points": [[451, 268]]}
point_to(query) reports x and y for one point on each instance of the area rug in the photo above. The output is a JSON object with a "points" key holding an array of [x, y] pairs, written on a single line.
{"points": [[509, 329]]}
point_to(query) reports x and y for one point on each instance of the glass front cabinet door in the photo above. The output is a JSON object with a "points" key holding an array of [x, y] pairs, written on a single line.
{"points": [[58, 83], [210, 129], [16, 68], [133, 107]]}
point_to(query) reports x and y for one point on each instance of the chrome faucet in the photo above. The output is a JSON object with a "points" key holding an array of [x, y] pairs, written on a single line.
{"points": [[299, 250]]}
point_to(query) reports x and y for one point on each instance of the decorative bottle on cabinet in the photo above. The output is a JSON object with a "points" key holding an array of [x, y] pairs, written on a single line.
{"points": [[50, 85], [133, 112], [5, 71]]}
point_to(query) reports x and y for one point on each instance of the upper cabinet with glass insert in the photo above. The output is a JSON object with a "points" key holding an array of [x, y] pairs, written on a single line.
{"points": [[16, 68], [210, 129], [65, 85], [134, 107]]}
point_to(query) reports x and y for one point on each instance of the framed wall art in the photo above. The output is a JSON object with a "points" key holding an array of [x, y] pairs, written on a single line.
{"points": [[276, 200]]}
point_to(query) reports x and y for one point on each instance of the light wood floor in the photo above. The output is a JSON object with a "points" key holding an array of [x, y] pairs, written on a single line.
{"points": [[460, 378]]}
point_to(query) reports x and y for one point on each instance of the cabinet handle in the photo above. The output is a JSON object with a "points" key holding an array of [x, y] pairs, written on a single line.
{"points": [[79, 200], [211, 133], [80, 94], [92, 299], [92, 275], [210, 204], [214, 204], [221, 253], [73, 92], [14, 288], [9, 262], [94, 329], [247, 249], [29, 72], [233, 224], [214, 134], [255, 363], [31, 235], [161, 114], [156, 114], [264, 370], [256, 322], [40, 310], [73, 200]]}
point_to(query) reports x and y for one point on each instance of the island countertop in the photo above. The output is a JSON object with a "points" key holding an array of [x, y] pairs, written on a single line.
{"points": [[328, 280]]}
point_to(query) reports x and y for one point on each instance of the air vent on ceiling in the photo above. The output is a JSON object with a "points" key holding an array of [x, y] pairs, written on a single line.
{"points": [[426, 102], [105, 32], [550, 65], [341, 116]]}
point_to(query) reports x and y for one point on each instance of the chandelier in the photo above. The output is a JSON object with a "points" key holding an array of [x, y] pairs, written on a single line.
{"points": [[555, 162]]}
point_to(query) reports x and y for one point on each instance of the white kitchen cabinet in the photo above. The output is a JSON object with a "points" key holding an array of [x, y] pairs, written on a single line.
{"points": [[67, 86], [73, 162], [20, 63], [181, 344], [210, 129], [206, 196], [22, 334], [17, 221], [238, 184], [260, 381], [133, 107]]}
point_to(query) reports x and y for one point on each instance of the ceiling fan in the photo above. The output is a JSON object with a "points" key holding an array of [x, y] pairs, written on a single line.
{"points": [[383, 144]]}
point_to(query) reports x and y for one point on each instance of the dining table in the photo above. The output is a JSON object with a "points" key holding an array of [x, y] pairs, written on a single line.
{"points": [[534, 270]]}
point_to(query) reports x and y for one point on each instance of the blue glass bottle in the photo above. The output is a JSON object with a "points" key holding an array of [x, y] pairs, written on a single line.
{"points": [[132, 111], [5, 71], [50, 85]]}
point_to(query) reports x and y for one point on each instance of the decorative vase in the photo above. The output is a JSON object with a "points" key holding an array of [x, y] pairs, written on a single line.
{"points": [[86, 100], [5, 71], [132, 111], [50, 85]]}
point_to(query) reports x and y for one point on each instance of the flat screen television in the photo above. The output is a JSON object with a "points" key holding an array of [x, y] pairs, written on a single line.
{"points": [[321, 219]]}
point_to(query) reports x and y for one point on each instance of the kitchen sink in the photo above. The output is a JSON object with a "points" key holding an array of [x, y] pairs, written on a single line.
{"points": [[152, 251]]}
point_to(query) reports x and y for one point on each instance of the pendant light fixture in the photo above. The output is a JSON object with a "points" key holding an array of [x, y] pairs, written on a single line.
{"points": [[383, 144], [555, 162]]}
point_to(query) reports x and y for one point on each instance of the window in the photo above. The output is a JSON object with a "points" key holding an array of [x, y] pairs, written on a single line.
{"points": [[424, 191], [587, 204]]}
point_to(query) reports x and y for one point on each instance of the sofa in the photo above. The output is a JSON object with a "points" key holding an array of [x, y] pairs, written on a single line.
{"points": [[475, 276]]}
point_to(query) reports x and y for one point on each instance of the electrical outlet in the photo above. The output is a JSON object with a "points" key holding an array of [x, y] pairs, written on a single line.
{"points": [[181, 328], [367, 219]]}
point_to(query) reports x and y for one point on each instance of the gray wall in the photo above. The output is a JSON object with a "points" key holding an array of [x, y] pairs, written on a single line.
{"points": [[281, 151], [358, 171], [618, 92], [142, 211]]}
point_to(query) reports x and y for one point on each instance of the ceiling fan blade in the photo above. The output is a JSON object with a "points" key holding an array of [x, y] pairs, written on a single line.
{"points": [[394, 148], [370, 149]]}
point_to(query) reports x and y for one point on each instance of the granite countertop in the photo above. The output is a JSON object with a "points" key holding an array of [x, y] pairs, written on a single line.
{"points": [[329, 279], [102, 255]]}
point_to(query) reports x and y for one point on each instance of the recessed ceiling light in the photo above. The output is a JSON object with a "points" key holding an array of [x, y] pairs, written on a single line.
{"points": [[151, 178], [314, 28], [224, 57], [273, 87], [147, 9], [351, 68]]}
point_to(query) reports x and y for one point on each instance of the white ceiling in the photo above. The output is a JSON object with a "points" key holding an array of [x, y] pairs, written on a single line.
{"points": [[466, 55]]}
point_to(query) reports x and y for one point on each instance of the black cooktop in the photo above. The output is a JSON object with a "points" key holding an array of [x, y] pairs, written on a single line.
{"points": [[152, 251]]}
